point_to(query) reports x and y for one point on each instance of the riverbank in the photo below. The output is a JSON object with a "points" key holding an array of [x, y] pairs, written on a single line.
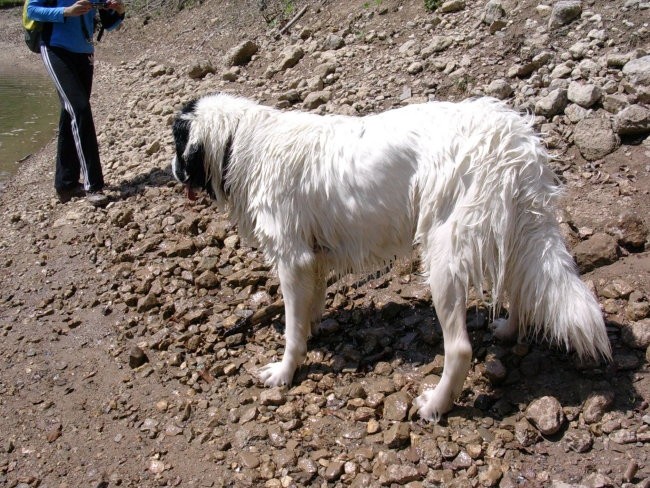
{"points": [[115, 365]]}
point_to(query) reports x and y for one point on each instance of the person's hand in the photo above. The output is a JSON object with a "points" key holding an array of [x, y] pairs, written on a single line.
{"points": [[78, 8], [116, 5]]}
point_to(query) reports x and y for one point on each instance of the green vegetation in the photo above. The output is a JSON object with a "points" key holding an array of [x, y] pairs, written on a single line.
{"points": [[289, 8], [431, 5], [10, 3], [277, 12]]}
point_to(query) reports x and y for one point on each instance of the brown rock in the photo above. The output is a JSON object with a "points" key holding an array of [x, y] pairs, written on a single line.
{"points": [[397, 435], [333, 471], [241, 54], [630, 231], [596, 405], [599, 250], [579, 440], [396, 406], [137, 357]]}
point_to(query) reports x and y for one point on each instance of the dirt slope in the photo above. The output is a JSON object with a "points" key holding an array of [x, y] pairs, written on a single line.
{"points": [[116, 368]]}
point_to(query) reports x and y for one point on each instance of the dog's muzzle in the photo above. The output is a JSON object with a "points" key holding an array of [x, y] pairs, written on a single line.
{"points": [[183, 177]]}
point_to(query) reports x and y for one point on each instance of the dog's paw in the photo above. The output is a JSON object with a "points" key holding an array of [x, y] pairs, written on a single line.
{"points": [[276, 374], [503, 330], [431, 405]]}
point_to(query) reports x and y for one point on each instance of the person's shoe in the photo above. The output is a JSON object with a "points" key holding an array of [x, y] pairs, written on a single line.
{"points": [[67, 194], [97, 198]]}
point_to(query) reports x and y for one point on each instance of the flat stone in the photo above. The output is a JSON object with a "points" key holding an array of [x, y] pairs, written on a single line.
{"points": [[273, 396], [400, 474], [599, 250]]}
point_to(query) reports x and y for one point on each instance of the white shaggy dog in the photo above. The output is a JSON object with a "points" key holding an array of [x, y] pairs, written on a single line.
{"points": [[467, 181]]}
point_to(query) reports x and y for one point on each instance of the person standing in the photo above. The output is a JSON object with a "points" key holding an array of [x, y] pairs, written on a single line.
{"points": [[67, 50]]}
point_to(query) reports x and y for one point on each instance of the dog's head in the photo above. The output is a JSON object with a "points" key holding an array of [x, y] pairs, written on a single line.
{"points": [[189, 164]]}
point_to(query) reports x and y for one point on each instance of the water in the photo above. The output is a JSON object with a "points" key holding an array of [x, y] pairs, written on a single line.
{"points": [[29, 110]]}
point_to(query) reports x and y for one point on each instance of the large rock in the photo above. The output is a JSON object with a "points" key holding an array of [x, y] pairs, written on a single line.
{"points": [[632, 120], [583, 95], [546, 414], [552, 104], [637, 71], [598, 250], [241, 54], [564, 12], [595, 138]]}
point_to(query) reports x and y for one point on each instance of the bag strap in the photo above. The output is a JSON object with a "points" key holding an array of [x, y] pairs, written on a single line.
{"points": [[84, 29]]}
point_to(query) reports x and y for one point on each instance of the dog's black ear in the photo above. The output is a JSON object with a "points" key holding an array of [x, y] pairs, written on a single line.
{"points": [[190, 106], [195, 165]]}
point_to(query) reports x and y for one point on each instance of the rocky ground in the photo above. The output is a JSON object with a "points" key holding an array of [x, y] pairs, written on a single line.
{"points": [[131, 334]]}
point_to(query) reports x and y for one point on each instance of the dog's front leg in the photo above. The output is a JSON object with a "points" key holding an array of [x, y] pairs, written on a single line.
{"points": [[298, 287]]}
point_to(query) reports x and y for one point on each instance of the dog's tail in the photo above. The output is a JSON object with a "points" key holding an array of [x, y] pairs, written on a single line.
{"points": [[548, 298]]}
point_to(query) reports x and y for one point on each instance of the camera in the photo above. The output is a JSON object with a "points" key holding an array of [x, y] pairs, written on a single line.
{"points": [[98, 4]]}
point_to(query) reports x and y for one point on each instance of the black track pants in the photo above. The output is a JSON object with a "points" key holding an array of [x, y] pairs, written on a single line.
{"points": [[77, 152]]}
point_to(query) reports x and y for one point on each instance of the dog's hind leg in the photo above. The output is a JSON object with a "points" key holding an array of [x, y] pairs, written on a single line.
{"points": [[449, 293], [298, 283], [506, 329]]}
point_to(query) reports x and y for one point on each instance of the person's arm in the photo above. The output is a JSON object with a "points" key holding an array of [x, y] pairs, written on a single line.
{"points": [[42, 11]]}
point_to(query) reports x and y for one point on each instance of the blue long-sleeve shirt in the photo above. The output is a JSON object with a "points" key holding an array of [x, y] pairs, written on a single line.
{"points": [[67, 32]]}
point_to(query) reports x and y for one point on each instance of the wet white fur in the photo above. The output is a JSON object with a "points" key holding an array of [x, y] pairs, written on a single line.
{"points": [[467, 181]]}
